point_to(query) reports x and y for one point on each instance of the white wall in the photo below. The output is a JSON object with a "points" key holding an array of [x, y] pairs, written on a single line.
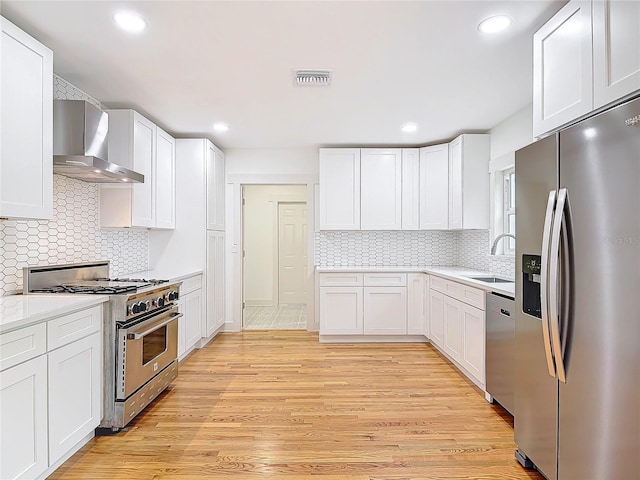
{"points": [[288, 161], [510, 135], [261, 239]]}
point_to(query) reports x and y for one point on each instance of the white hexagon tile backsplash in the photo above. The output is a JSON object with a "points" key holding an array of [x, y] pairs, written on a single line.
{"points": [[73, 235]]}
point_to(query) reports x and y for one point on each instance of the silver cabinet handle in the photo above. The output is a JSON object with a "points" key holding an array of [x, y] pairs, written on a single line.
{"points": [[554, 270], [544, 282], [139, 335]]}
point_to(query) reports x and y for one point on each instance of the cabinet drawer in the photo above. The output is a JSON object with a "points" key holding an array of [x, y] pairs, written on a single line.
{"points": [[385, 279], [469, 295], [64, 330], [22, 345], [341, 280], [438, 283], [473, 296], [191, 284]]}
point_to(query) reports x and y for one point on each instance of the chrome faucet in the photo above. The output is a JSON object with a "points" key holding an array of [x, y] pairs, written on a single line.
{"points": [[497, 239]]}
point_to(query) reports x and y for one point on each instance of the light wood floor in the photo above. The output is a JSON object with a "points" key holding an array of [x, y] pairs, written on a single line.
{"points": [[281, 405]]}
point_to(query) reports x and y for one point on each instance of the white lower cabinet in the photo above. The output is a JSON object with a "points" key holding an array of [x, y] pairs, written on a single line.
{"points": [[23, 410], [75, 386], [458, 325], [190, 324], [453, 336], [193, 318], [436, 317], [371, 304], [385, 310], [50, 392], [341, 310], [473, 328], [417, 318]]}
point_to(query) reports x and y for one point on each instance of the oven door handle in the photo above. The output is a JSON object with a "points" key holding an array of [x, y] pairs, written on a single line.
{"points": [[139, 335]]}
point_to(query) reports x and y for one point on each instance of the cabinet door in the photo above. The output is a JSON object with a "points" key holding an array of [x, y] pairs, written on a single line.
{"points": [[416, 303], [75, 388], [380, 189], [215, 188], [436, 317], [385, 310], [193, 316], [455, 184], [341, 310], [453, 328], [473, 324], [562, 68], [616, 50], [26, 136], [434, 187], [215, 282], [165, 181], [427, 309], [143, 212], [23, 413], [339, 189], [410, 188]]}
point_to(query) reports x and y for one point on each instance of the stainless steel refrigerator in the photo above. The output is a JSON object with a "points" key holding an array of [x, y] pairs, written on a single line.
{"points": [[577, 388]]}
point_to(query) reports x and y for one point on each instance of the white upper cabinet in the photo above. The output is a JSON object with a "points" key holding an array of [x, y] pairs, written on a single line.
{"points": [[469, 182], [434, 187], [339, 189], [616, 50], [380, 189], [586, 57], [410, 189], [165, 181], [26, 136], [138, 144], [562, 68], [215, 188]]}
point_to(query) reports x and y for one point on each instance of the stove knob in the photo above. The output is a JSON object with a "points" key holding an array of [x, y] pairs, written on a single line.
{"points": [[148, 304], [160, 302], [135, 308], [172, 296]]}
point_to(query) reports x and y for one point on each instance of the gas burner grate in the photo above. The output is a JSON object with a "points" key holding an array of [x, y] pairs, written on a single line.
{"points": [[107, 290], [152, 281]]}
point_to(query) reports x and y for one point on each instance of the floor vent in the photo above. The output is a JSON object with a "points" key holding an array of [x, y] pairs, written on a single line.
{"points": [[317, 78]]}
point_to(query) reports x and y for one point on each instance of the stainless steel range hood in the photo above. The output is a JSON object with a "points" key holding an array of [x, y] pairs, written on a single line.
{"points": [[80, 144]]}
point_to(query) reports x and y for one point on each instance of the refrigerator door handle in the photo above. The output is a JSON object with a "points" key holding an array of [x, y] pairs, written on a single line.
{"points": [[554, 271], [544, 282]]}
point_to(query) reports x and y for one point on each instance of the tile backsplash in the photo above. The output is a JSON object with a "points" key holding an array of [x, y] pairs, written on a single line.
{"points": [[73, 235], [409, 248]]}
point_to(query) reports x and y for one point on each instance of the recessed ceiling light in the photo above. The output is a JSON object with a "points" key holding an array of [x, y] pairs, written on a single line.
{"points": [[409, 127], [495, 24], [220, 127], [130, 22]]}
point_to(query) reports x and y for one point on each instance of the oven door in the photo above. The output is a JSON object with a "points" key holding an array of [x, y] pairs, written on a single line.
{"points": [[144, 350]]}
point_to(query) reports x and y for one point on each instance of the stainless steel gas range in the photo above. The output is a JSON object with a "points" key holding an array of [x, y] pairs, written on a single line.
{"points": [[140, 333]]}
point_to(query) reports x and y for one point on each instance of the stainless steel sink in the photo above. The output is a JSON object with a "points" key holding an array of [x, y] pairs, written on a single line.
{"points": [[491, 279]]}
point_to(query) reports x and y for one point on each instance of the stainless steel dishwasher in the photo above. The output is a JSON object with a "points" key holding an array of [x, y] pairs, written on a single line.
{"points": [[500, 349]]}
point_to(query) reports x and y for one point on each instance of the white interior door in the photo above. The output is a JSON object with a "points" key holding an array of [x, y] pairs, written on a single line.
{"points": [[292, 253]]}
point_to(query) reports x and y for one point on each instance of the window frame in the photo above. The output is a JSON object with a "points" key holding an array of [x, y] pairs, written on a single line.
{"points": [[508, 209]]}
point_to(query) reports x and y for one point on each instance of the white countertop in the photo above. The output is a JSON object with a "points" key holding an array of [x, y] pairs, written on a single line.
{"points": [[164, 274], [458, 274], [17, 311]]}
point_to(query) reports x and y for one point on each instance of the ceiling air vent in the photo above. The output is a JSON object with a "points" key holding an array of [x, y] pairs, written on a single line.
{"points": [[319, 78]]}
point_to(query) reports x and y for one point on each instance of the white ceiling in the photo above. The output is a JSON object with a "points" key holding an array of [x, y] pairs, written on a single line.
{"points": [[206, 61]]}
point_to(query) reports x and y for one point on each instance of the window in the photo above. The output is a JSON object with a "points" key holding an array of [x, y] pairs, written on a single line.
{"points": [[509, 210]]}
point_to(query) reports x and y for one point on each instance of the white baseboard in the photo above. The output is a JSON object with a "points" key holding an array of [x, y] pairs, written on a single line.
{"points": [[372, 339]]}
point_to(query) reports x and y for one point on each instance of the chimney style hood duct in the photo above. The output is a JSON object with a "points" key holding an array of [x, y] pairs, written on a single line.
{"points": [[80, 144]]}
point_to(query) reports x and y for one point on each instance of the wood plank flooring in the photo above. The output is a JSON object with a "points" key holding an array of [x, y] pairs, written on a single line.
{"points": [[281, 405]]}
